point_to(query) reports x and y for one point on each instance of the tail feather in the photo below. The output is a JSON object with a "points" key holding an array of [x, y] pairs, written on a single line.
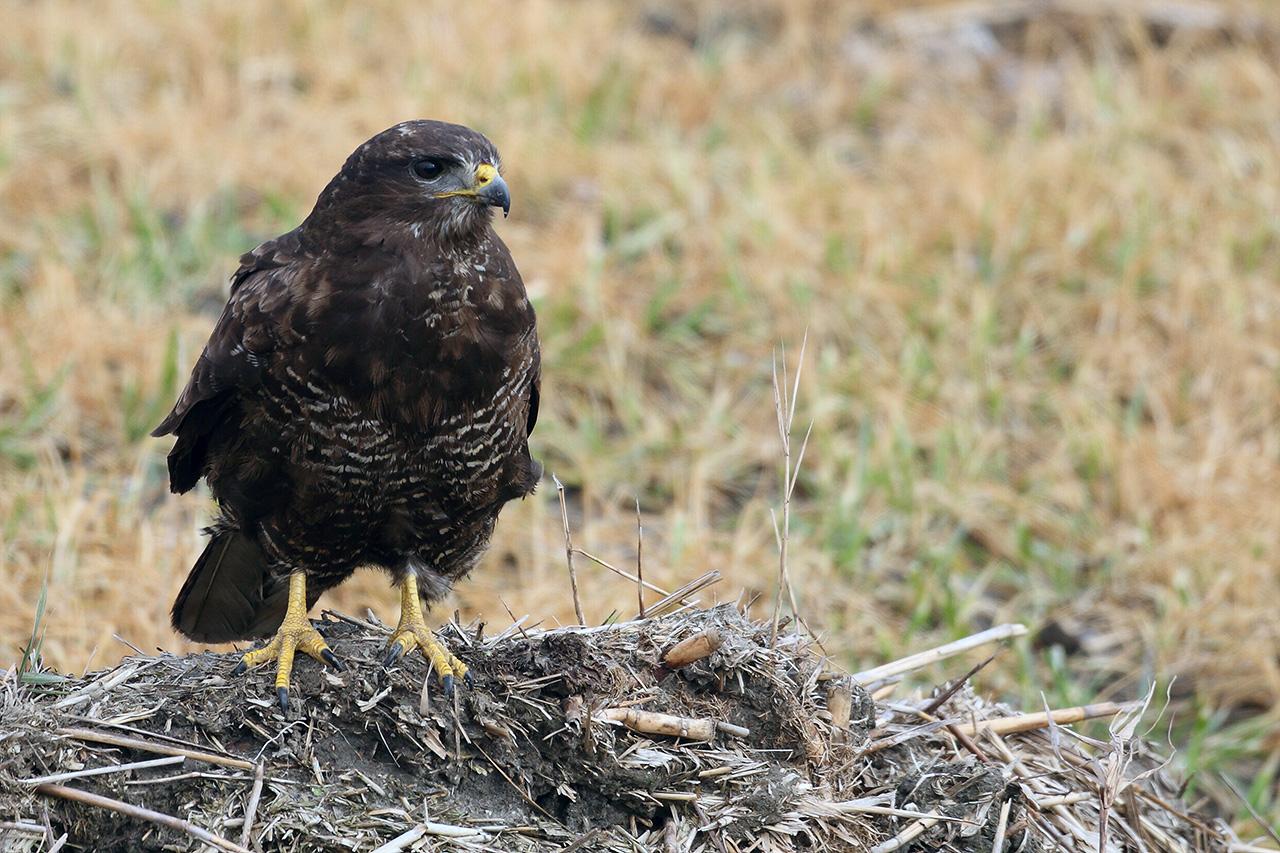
{"points": [[229, 594]]}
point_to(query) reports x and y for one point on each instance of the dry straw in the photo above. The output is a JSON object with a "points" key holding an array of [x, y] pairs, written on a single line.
{"points": [[699, 729]]}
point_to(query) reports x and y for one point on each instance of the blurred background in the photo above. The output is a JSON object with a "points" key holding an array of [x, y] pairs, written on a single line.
{"points": [[1035, 247]]}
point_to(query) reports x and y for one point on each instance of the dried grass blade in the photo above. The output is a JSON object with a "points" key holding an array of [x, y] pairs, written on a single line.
{"points": [[100, 771], [159, 748], [907, 835], [997, 843], [680, 596], [946, 650], [1041, 719], [251, 809], [622, 572], [568, 550]]}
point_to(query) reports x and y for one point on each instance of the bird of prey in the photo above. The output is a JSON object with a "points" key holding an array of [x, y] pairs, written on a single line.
{"points": [[365, 399]]}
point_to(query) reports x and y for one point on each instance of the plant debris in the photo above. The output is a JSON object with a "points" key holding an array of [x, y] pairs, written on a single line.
{"points": [[571, 739]]}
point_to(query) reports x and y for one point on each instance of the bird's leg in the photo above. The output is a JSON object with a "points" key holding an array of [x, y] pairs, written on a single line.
{"points": [[295, 632], [413, 631]]}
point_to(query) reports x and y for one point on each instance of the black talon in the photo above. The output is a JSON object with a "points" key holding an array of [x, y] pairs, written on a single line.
{"points": [[282, 693], [332, 659], [393, 655], [446, 684], [240, 669]]}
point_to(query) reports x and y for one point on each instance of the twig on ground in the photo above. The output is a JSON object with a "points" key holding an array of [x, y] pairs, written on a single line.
{"points": [[884, 692], [116, 724], [997, 844], [251, 809], [856, 807], [655, 723], [99, 771], [639, 561], [402, 840], [621, 572], [923, 659], [784, 406], [1062, 800], [903, 736], [568, 550], [681, 596], [516, 624], [352, 620], [967, 742], [521, 791], [121, 807], [941, 699], [907, 835], [444, 830], [1265, 824], [191, 774], [1042, 719], [123, 641], [105, 683], [159, 748], [1180, 814], [937, 702]]}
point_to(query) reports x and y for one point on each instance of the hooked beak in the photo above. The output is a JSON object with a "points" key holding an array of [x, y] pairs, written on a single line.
{"points": [[491, 189]]}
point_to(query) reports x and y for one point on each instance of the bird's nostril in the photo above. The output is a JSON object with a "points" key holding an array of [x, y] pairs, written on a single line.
{"points": [[485, 173]]}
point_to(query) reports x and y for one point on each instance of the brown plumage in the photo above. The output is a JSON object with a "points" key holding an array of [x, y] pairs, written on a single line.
{"points": [[367, 394]]}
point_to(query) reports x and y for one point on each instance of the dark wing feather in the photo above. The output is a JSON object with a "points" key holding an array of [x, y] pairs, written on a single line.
{"points": [[247, 333], [535, 389]]}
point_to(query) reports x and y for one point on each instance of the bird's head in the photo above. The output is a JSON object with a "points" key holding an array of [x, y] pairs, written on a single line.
{"points": [[418, 180]]}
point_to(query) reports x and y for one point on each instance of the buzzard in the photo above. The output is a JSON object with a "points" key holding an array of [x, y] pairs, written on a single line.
{"points": [[366, 398]]}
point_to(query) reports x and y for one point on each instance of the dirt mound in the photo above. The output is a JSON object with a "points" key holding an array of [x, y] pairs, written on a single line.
{"points": [[570, 739]]}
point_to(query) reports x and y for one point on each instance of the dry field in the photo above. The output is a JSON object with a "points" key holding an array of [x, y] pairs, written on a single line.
{"points": [[1038, 261]]}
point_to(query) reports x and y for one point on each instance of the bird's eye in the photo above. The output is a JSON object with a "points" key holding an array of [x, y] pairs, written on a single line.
{"points": [[428, 169]]}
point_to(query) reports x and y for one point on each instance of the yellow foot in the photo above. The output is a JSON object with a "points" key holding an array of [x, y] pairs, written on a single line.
{"points": [[413, 631], [295, 633]]}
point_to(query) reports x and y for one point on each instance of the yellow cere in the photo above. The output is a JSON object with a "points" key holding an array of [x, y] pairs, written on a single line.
{"points": [[485, 173]]}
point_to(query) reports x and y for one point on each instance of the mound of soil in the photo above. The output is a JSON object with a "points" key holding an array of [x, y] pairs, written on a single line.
{"points": [[570, 739]]}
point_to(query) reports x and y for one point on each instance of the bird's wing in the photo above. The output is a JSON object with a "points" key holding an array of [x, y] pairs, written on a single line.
{"points": [[256, 323], [535, 388]]}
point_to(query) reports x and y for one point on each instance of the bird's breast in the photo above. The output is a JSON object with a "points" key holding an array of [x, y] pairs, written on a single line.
{"points": [[414, 356]]}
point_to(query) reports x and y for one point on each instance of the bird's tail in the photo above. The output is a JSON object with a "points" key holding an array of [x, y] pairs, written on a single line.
{"points": [[230, 593]]}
